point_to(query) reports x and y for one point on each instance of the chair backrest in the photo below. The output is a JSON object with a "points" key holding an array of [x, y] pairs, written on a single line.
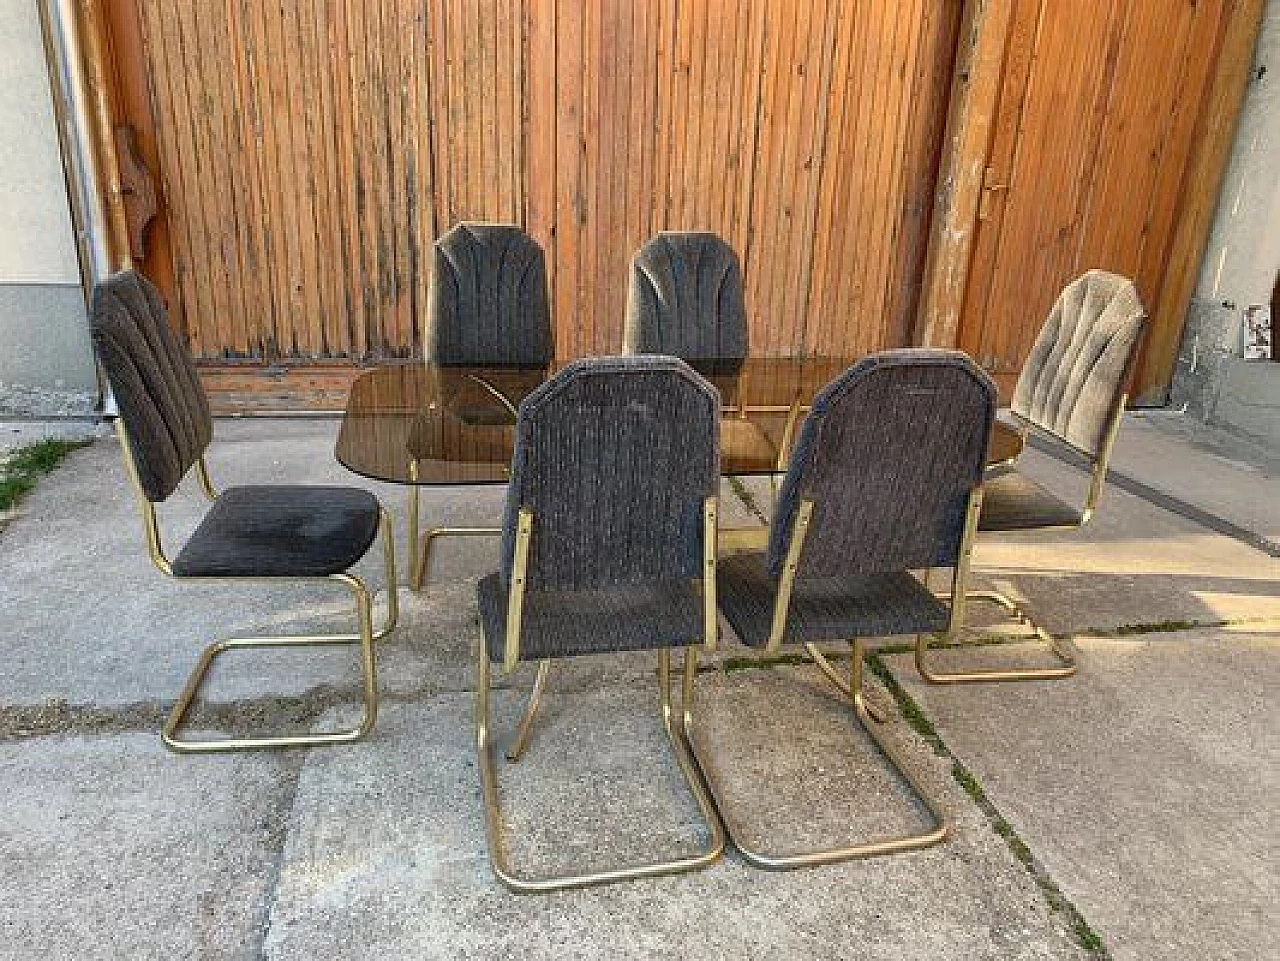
{"points": [[686, 299], [154, 380], [1076, 373], [615, 457], [889, 455], [487, 304]]}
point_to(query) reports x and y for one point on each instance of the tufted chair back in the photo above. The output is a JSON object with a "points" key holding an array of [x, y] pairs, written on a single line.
{"points": [[1076, 373], [487, 305], [154, 381], [686, 299]]}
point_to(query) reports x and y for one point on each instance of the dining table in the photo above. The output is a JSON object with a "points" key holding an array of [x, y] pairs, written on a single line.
{"points": [[433, 425]]}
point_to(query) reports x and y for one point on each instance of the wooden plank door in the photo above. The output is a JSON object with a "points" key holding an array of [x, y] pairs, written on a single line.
{"points": [[1093, 137], [310, 153]]}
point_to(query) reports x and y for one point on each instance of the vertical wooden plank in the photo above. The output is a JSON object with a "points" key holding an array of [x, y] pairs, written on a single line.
{"points": [[911, 18], [857, 279], [540, 138], [164, 104], [975, 91], [569, 195], [924, 144], [1023, 37]]}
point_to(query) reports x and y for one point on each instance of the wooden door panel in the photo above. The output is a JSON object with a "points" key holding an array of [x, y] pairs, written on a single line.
{"points": [[310, 153], [1093, 136]]}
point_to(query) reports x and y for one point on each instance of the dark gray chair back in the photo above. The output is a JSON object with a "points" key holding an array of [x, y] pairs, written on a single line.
{"points": [[686, 299], [888, 455], [1076, 373], [614, 456], [487, 305], [154, 380]]}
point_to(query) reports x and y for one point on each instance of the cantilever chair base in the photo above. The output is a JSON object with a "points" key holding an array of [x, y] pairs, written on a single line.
{"points": [[418, 558], [937, 831], [522, 884], [1067, 662], [1064, 657], [365, 637]]}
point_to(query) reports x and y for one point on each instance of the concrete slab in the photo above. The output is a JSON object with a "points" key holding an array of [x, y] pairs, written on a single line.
{"points": [[1209, 468], [91, 621], [1146, 785], [19, 433], [386, 854], [1134, 564], [115, 849]]}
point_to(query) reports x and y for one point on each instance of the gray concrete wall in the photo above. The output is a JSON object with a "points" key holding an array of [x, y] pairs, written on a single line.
{"points": [[1240, 267], [46, 362]]}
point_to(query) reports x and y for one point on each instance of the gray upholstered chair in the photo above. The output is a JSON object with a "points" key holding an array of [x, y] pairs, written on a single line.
{"points": [[886, 478], [250, 533], [1072, 393], [608, 545], [686, 299], [487, 307]]}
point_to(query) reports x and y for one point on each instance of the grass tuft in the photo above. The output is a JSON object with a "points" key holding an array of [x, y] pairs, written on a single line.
{"points": [[731, 664], [747, 498], [23, 467]]}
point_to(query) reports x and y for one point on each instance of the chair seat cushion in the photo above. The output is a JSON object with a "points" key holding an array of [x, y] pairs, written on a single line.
{"points": [[281, 531], [1012, 501], [571, 623], [824, 609]]}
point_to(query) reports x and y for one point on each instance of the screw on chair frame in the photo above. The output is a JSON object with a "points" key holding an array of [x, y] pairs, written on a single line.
{"points": [[365, 637], [939, 827], [523, 884]]}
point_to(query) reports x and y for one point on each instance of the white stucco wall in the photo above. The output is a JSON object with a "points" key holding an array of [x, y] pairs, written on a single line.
{"points": [[36, 241], [46, 363], [1243, 256], [1240, 267]]}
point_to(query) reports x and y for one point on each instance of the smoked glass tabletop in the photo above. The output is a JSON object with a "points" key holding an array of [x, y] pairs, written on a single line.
{"points": [[420, 424], [426, 424]]}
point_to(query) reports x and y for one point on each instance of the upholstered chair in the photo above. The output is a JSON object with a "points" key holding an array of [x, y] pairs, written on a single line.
{"points": [[1071, 393], [253, 533], [885, 479], [487, 308], [608, 545]]}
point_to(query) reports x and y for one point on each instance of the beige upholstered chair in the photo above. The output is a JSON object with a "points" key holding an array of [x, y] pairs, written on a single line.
{"points": [[1071, 392]]}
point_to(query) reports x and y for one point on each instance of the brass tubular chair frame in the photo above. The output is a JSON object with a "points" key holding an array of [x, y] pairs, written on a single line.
{"points": [[365, 636], [959, 598], [420, 555], [1066, 660], [671, 725], [939, 828], [418, 562]]}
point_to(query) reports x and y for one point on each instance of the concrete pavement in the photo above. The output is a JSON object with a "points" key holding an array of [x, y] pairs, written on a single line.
{"points": [[1141, 791]]}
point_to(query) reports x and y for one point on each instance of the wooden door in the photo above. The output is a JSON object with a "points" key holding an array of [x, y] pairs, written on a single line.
{"points": [[309, 153], [1092, 143]]}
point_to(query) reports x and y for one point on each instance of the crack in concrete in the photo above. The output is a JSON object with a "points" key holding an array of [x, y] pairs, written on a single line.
{"points": [[1059, 904], [277, 836]]}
